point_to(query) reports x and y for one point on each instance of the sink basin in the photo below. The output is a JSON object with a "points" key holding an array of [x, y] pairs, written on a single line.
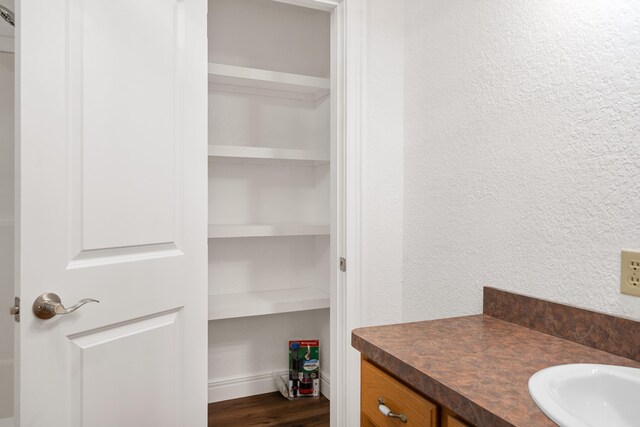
{"points": [[585, 395]]}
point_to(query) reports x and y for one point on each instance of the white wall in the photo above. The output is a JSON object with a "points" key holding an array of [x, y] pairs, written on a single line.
{"points": [[6, 231], [522, 152], [382, 164]]}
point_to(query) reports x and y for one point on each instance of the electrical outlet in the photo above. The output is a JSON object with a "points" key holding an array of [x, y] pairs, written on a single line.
{"points": [[630, 273]]}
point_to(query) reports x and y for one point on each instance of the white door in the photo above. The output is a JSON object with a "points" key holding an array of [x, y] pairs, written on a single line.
{"points": [[111, 102]]}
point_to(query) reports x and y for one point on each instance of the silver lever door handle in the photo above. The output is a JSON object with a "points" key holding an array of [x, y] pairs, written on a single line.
{"points": [[48, 305]]}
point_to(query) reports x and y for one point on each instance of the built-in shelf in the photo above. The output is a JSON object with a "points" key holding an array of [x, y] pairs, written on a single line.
{"points": [[273, 83], [266, 230], [324, 5], [230, 306], [265, 155]]}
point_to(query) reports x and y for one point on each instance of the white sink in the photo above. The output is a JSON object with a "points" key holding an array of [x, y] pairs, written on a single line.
{"points": [[584, 395]]}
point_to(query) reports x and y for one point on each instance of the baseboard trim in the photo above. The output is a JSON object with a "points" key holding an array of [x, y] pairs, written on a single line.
{"points": [[243, 386], [325, 384]]}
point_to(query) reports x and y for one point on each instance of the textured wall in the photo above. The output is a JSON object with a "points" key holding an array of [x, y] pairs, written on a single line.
{"points": [[522, 152], [382, 164]]}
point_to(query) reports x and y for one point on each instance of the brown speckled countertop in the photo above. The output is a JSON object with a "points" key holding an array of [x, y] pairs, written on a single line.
{"points": [[477, 366]]}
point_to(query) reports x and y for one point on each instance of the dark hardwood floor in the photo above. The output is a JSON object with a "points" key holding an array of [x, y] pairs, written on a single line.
{"points": [[270, 409]]}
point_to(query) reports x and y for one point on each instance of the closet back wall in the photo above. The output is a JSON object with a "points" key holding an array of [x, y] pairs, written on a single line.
{"points": [[262, 38]]}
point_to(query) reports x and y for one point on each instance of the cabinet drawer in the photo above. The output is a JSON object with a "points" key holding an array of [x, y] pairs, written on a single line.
{"points": [[397, 397], [449, 420]]}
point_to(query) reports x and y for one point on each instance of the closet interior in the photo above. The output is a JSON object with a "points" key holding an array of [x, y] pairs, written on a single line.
{"points": [[270, 232]]}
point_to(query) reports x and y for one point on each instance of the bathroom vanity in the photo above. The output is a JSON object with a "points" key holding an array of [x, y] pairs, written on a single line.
{"points": [[474, 370]]}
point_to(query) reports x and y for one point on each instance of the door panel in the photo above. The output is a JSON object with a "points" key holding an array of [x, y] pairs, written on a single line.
{"points": [[120, 365], [124, 78], [112, 206]]}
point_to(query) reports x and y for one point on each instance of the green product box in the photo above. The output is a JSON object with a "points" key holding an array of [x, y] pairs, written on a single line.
{"points": [[304, 368]]}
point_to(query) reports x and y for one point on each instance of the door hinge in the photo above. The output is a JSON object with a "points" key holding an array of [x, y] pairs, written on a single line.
{"points": [[15, 310], [343, 264]]}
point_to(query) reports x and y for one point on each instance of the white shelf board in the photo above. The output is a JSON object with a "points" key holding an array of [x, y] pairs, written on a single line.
{"points": [[266, 230], [296, 86], [267, 302], [266, 155], [324, 5]]}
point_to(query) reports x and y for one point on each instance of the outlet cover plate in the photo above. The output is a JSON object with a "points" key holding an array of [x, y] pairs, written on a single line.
{"points": [[630, 273]]}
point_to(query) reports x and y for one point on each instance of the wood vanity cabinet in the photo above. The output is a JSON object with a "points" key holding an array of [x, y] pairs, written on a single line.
{"points": [[377, 384]]}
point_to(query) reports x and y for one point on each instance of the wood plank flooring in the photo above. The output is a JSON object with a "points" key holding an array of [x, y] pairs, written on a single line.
{"points": [[270, 409]]}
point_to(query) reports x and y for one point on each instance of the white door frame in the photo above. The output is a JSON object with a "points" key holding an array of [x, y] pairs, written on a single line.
{"points": [[350, 59], [347, 79], [348, 22], [346, 406]]}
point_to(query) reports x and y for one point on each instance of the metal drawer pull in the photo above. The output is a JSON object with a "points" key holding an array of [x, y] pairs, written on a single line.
{"points": [[387, 412]]}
